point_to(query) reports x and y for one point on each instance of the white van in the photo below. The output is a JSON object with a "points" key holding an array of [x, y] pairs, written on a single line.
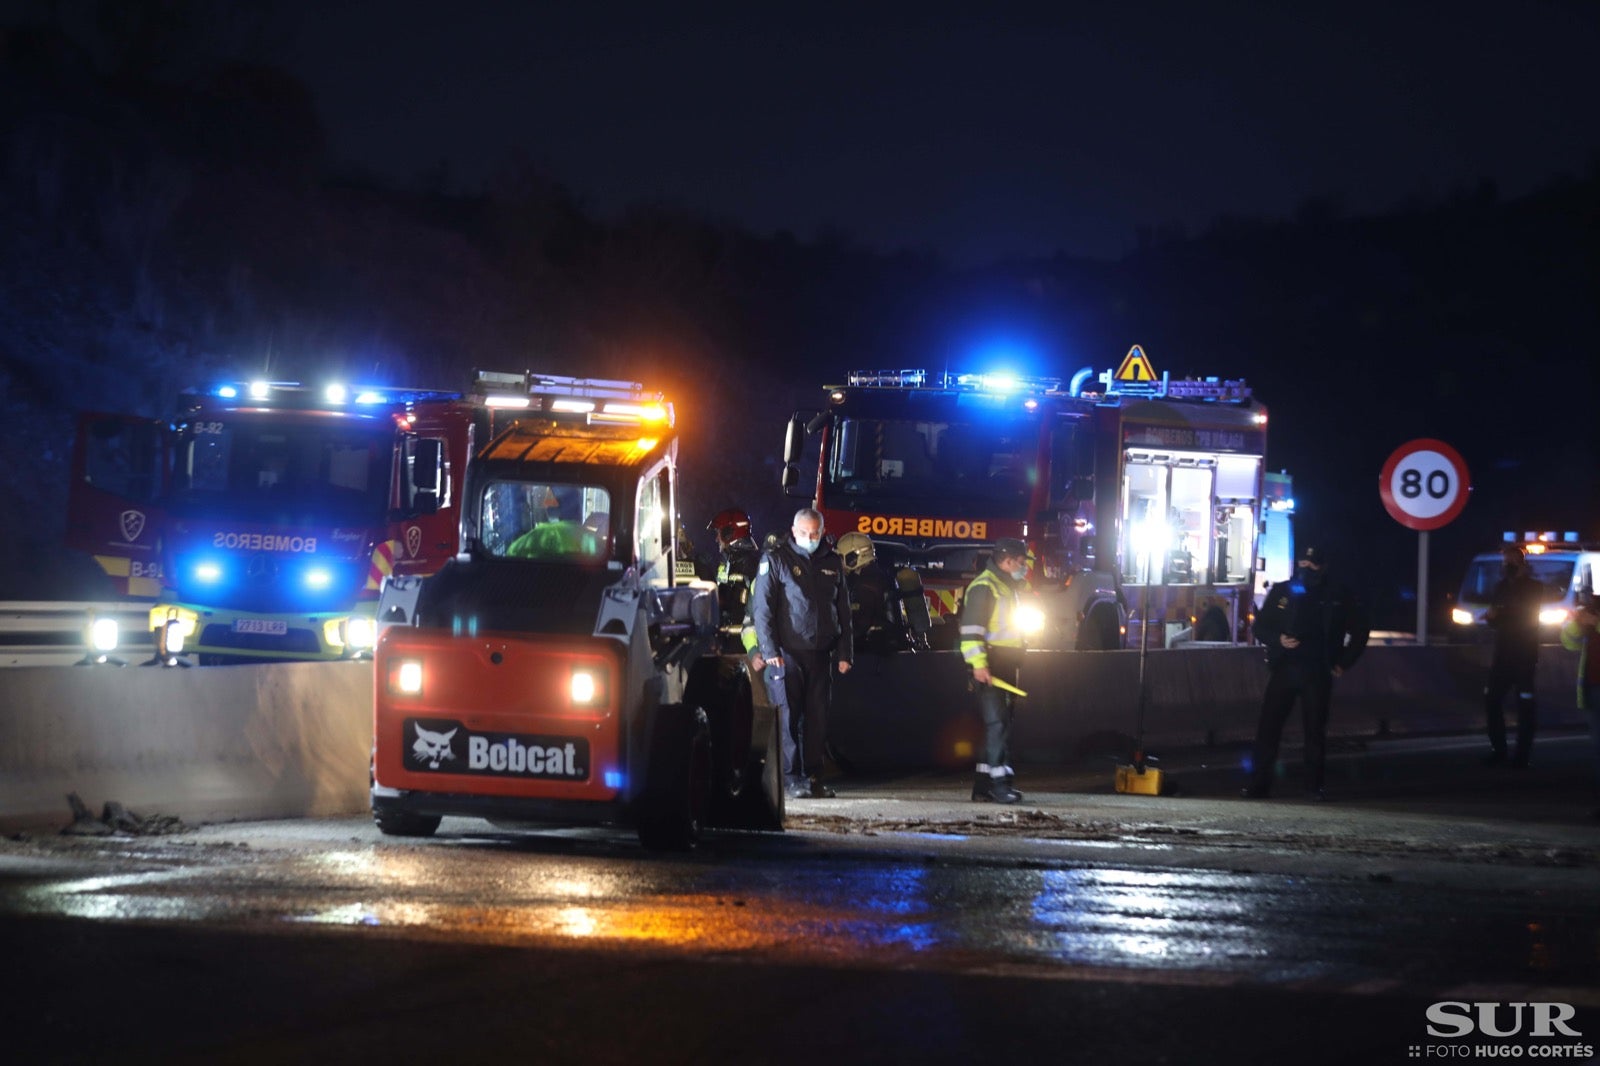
{"points": [[1566, 566]]}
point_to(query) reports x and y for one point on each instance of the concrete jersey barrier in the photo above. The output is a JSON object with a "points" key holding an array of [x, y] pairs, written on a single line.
{"points": [[295, 739]]}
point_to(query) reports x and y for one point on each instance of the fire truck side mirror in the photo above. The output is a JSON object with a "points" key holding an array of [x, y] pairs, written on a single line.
{"points": [[794, 440], [790, 477]]}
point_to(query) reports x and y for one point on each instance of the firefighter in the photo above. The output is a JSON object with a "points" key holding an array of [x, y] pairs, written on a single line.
{"points": [[991, 645], [737, 557]]}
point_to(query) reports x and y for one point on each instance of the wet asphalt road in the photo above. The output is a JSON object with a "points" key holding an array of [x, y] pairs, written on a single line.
{"points": [[891, 924]]}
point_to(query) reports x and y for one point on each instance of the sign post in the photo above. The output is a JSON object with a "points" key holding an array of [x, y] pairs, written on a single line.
{"points": [[1424, 486]]}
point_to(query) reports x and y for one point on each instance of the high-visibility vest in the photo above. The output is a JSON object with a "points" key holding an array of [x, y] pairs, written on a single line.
{"points": [[999, 629]]}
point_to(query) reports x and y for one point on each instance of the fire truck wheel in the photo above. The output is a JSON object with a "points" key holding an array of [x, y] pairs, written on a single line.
{"points": [[405, 824], [673, 808], [1100, 630]]}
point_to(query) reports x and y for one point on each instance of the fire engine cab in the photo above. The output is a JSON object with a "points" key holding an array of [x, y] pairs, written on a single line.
{"points": [[262, 517], [1140, 497], [555, 671]]}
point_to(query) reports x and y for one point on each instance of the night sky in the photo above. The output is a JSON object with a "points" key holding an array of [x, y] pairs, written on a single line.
{"points": [[975, 135]]}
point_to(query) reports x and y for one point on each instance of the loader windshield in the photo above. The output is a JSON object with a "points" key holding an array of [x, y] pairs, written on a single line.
{"points": [[545, 521]]}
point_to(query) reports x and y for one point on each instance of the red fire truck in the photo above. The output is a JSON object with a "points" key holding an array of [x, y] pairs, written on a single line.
{"points": [[1139, 496], [263, 517]]}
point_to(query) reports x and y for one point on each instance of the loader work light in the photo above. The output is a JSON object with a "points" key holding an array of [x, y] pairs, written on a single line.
{"points": [[407, 678]]}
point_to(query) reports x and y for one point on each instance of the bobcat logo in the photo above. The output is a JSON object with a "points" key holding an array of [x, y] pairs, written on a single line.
{"points": [[132, 524], [413, 541], [432, 748]]}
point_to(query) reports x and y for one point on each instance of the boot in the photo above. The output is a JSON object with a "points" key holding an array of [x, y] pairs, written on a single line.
{"points": [[1011, 780], [990, 789]]}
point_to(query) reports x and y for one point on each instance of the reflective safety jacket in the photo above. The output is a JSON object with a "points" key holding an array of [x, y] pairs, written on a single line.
{"points": [[988, 616], [1585, 640]]}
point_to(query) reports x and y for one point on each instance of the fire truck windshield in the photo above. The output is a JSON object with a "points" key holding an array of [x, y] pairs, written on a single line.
{"points": [[338, 469], [961, 469]]}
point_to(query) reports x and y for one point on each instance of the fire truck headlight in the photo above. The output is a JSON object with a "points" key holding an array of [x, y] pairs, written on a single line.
{"points": [[103, 635], [405, 678], [1028, 619], [360, 633], [336, 393], [585, 687], [1553, 616], [1460, 617]]}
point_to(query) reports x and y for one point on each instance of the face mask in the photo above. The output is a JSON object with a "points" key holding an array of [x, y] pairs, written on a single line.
{"points": [[1017, 571], [807, 545]]}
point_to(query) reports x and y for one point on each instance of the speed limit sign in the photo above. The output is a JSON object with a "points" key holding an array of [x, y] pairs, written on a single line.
{"points": [[1424, 484]]}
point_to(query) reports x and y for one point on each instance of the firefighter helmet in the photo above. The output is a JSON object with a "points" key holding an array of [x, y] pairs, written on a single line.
{"points": [[731, 524], [856, 551]]}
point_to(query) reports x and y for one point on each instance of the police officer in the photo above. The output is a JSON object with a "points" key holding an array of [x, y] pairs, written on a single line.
{"points": [[991, 645], [1314, 629], [1513, 614], [801, 610]]}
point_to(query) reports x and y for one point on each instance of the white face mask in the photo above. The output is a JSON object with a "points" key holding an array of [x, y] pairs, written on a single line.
{"points": [[806, 544]]}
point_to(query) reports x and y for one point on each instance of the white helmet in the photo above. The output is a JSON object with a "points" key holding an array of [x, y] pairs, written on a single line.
{"points": [[856, 551]]}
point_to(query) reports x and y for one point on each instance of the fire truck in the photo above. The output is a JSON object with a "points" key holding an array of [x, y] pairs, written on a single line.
{"points": [[557, 670], [263, 517], [1140, 497]]}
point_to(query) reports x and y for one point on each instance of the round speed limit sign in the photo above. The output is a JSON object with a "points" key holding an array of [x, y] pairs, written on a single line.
{"points": [[1424, 484]]}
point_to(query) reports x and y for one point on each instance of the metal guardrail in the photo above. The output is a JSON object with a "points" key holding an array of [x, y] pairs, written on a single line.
{"points": [[55, 632]]}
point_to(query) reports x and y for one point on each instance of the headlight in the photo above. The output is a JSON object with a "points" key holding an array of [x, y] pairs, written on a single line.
{"points": [[103, 635], [1028, 619], [360, 633], [405, 677], [585, 687], [1553, 616], [1460, 617]]}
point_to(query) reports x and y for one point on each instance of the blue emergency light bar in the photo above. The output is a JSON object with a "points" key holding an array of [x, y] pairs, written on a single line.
{"points": [[294, 395]]}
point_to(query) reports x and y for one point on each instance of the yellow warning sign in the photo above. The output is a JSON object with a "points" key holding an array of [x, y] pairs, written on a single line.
{"points": [[1135, 366]]}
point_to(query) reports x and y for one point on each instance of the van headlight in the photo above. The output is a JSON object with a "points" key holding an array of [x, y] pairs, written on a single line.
{"points": [[1460, 616], [1553, 616]]}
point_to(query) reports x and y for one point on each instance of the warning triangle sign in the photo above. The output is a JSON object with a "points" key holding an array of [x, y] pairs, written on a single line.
{"points": [[1135, 366]]}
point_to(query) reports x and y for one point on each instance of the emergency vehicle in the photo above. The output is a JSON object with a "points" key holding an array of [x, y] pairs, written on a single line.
{"points": [[1139, 498], [1566, 565], [556, 670], [263, 517]]}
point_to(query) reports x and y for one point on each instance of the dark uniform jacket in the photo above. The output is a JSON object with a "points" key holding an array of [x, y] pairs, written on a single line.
{"points": [[1515, 602], [1325, 617], [800, 602]]}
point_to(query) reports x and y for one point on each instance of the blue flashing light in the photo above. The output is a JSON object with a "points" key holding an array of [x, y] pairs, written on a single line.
{"points": [[318, 577], [1003, 381], [615, 779], [371, 396], [208, 573], [227, 392]]}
